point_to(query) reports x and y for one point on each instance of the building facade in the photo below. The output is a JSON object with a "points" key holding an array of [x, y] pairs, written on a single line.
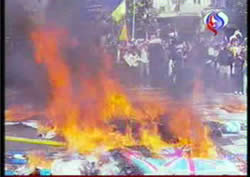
{"points": [[180, 7]]}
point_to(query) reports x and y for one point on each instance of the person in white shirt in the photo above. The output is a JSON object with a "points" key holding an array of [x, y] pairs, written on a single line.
{"points": [[144, 65], [213, 54], [131, 58]]}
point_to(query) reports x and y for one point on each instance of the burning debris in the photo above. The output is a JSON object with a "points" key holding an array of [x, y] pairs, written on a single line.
{"points": [[131, 160], [103, 129], [110, 133], [107, 108], [125, 161]]}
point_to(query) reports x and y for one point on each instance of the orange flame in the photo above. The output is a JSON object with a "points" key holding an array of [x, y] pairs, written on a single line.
{"points": [[37, 159], [85, 120]]}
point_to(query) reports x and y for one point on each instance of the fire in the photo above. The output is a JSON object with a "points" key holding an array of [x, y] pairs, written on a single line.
{"points": [[84, 116], [37, 159], [44, 128]]}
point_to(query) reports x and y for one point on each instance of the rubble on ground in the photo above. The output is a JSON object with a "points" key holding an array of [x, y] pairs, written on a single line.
{"points": [[125, 161], [229, 136]]}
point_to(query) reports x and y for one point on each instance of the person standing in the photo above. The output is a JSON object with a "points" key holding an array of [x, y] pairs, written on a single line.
{"points": [[245, 68], [172, 62], [156, 58], [225, 62], [238, 74], [131, 59], [144, 66], [245, 78], [213, 54]]}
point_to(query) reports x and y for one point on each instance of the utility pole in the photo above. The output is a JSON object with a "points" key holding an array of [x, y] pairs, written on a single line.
{"points": [[133, 22]]}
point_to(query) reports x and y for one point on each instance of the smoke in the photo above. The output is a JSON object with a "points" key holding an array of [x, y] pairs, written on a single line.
{"points": [[72, 35], [83, 54], [23, 74], [30, 79]]}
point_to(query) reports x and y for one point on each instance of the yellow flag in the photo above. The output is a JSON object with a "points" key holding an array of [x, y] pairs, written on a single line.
{"points": [[119, 12], [124, 33]]}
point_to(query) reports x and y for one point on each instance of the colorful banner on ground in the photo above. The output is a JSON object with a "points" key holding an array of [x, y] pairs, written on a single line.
{"points": [[173, 161], [119, 13]]}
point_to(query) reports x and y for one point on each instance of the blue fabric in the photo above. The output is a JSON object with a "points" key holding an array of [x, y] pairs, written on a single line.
{"points": [[9, 173], [180, 164], [16, 161], [45, 172], [202, 165], [233, 127], [15, 153], [142, 166], [156, 162]]}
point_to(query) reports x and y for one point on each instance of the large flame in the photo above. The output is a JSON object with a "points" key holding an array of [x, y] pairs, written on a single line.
{"points": [[38, 159], [84, 116]]}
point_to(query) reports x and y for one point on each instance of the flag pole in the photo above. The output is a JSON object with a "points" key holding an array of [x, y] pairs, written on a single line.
{"points": [[133, 22]]}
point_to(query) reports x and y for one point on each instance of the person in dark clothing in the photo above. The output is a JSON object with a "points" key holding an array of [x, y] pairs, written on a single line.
{"points": [[225, 58], [176, 62], [177, 57], [156, 57], [238, 74], [203, 53], [225, 61]]}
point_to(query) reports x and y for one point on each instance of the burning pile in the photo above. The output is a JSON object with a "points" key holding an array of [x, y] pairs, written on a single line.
{"points": [[98, 114]]}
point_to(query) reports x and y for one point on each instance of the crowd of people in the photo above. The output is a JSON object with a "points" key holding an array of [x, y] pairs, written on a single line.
{"points": [[220, 61]]}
